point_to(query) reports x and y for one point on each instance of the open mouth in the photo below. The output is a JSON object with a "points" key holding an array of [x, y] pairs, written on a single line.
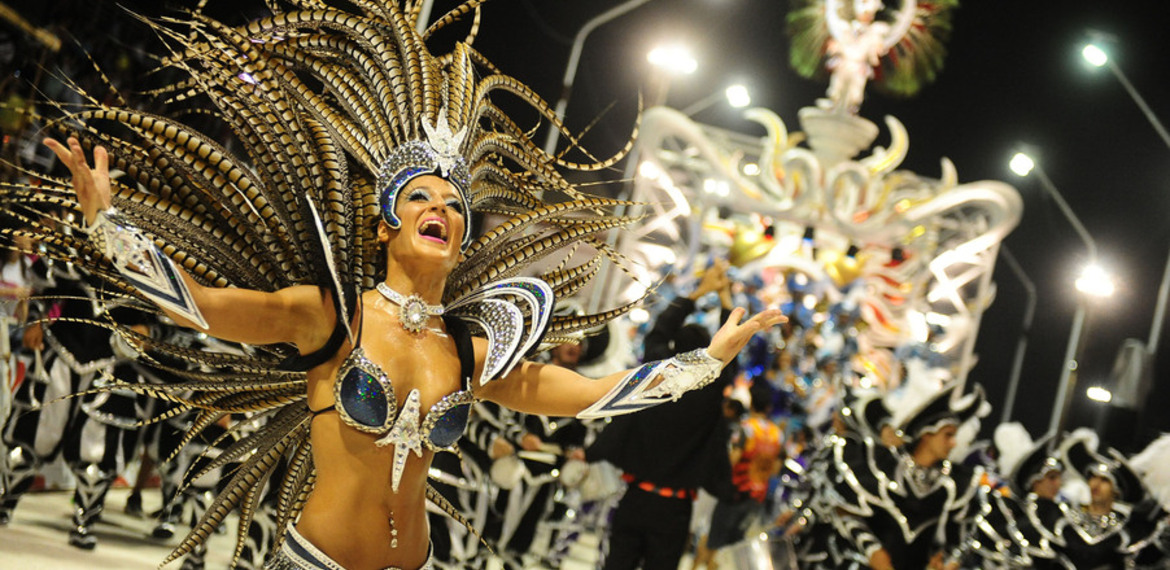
{"points": [[433, 229]]}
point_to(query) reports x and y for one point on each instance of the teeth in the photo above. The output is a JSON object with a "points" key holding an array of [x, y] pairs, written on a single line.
{"points": [[442, 228]]}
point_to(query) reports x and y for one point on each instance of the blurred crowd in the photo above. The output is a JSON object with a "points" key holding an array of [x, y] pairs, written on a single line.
{"points": [[789, 459]]}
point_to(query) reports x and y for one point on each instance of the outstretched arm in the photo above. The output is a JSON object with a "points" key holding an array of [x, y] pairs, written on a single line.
{"points": [[301, 315], [555, 391]]}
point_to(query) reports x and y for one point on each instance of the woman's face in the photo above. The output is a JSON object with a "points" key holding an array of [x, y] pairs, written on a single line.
{"points": [[431, 211]]}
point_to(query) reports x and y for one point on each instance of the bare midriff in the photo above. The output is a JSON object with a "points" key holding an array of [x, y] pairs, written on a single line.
{"points": [[352, 512], [349, 512]]}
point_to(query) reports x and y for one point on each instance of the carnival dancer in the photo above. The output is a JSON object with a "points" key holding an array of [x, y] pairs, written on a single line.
{"points": [[95, 434], [910, 501], [347, 240], [1120, 523], [1026, 517], [863, 420]]}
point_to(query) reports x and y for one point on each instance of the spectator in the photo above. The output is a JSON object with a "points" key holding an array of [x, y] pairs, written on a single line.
{"points": [[756, 457], [663, 474]]}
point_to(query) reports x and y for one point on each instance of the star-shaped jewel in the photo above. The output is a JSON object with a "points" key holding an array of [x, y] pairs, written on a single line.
{"points": [[445, 142], [404, 436]]}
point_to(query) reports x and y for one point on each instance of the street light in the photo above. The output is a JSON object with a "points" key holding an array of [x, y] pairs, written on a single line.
{"points": [[550, 143], [673, 58], [1094, 281], [667, 60], [1024, 165], [1098, 57], [1090, 282], [1025, 330], [737, 97], [1099, 394]]}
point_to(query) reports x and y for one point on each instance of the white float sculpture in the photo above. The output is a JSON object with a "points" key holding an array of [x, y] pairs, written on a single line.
{"points": [[914, 253], [923, 248]]}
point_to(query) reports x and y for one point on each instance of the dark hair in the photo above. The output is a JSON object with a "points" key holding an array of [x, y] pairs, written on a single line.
{"points": [[762, 395], [736, 406], [691, 337]]}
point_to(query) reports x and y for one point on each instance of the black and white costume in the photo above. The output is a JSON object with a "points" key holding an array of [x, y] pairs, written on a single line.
{"points": [[889, 502], [1131, 533]]}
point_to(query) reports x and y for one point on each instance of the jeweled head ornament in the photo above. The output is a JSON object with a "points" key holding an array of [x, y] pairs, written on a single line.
{"points": [[438, 154], [1102, 470], [1111, 466]]}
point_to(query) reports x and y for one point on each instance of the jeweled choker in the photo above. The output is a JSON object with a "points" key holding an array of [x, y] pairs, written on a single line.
{"points": [[413, 312]]}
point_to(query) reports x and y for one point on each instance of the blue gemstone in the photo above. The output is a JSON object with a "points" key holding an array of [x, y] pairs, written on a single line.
{"points": [[363, 398], [450, 426]]}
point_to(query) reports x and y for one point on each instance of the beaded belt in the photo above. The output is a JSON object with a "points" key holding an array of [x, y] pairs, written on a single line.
{"points": [[659, 490]]}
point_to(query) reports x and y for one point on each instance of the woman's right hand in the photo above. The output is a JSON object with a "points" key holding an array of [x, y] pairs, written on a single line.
{"points": [[92, 185]]}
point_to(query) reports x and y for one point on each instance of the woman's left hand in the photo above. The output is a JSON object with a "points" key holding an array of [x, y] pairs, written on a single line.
{"points": [[733, 336]]}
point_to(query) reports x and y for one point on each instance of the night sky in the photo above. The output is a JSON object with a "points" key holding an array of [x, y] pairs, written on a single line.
{"points": [[1013, 74]]}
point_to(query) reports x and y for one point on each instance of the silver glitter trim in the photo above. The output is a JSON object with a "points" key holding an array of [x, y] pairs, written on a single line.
{"points": [[139, 260], [498, 309], [670, 378], [358, 359], [413, 312]]}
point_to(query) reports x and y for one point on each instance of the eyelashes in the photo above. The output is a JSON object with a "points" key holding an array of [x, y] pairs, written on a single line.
{"points": [[422, 195]]}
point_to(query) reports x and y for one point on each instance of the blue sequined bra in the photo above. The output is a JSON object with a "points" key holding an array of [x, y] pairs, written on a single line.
{"points": [[364, 398]]}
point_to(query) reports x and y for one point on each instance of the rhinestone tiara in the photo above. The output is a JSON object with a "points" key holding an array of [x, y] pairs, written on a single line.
{"points": [[437, 154]]}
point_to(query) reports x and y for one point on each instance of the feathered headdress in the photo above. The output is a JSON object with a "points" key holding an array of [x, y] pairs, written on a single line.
{"points": [[329, 109], [1021, 460], [1080, 454], [1153, 465]]}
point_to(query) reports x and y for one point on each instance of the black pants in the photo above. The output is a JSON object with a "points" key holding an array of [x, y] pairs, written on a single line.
{"points": [[648, 530]]}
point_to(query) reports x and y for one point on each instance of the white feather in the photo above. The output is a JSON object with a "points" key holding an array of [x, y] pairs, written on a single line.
{"points": [[1076, 491], [922, 383], [1013, 442], [964, 437], [1153, 466]]}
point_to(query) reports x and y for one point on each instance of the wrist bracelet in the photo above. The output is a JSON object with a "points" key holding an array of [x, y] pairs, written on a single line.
{"points": [[143, 265], [670, 378]]}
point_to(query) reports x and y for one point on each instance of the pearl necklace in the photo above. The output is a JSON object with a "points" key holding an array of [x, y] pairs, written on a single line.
{"points": [[413, 312]]}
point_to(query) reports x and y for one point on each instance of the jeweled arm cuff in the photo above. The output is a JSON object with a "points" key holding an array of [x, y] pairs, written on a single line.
{"points": [[670, 378], [143, 265]]}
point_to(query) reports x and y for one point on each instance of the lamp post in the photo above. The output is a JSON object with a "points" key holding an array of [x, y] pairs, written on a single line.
{"points": [[550, 143], [1022, 342], [666, 60], [1093, 281], [737, 97], [1097, 57]]}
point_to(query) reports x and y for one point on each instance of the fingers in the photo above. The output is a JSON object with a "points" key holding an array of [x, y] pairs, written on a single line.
{"points": [[78, 153], [101, 161], [736, 315], [59, 149]]}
